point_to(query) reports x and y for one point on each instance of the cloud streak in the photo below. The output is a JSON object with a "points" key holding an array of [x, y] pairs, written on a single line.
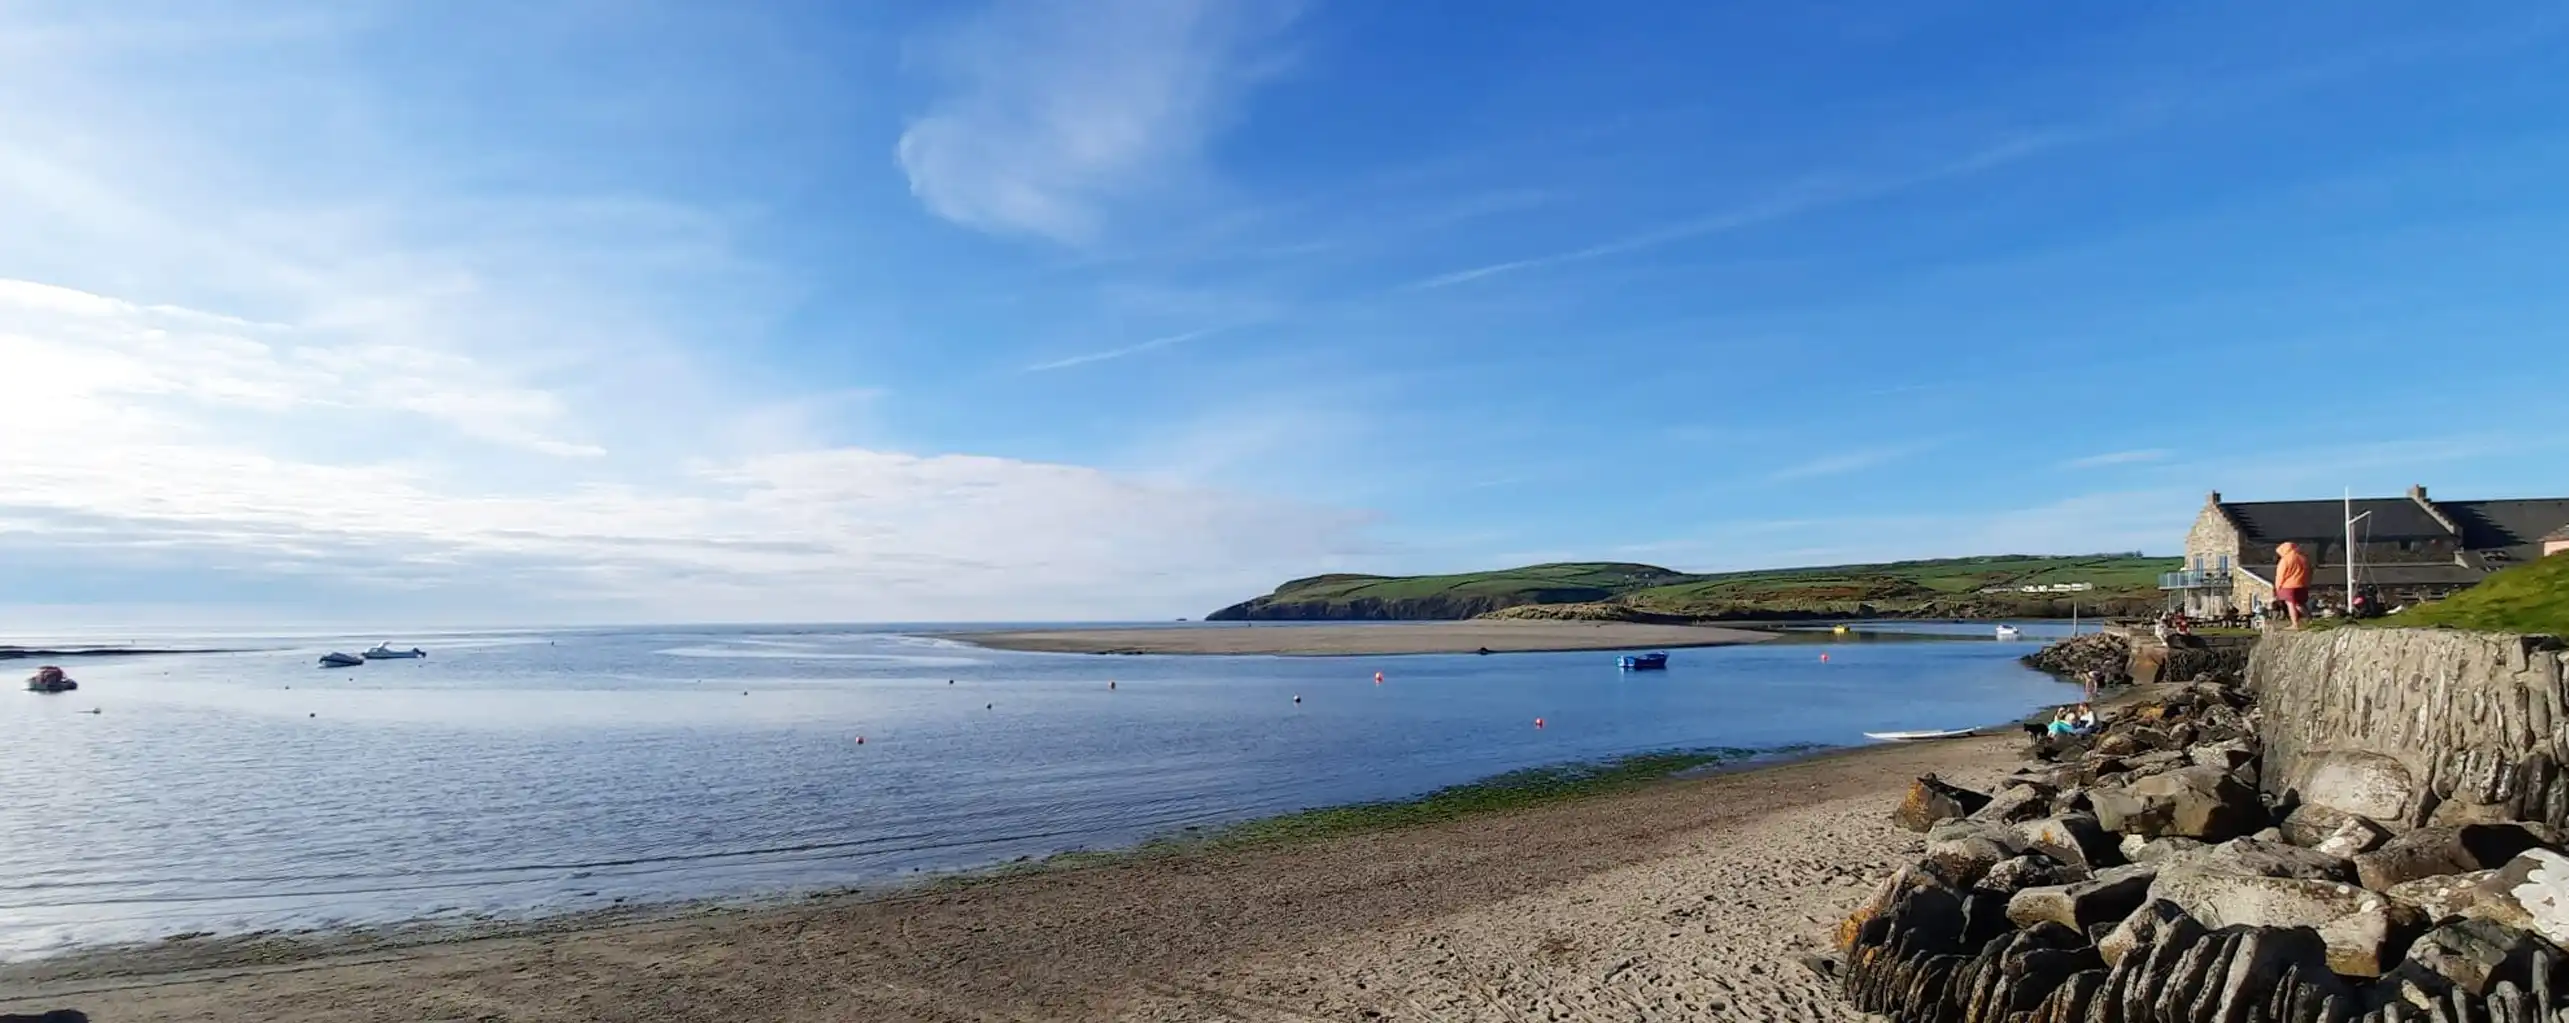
{"points": [[1153, 344], [1810, 195], [1845, 462], [2135, 457], [1054, 113]]}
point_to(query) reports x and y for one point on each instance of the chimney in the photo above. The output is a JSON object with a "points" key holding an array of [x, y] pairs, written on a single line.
{"points": [[2417, 492], [2212, 498]]}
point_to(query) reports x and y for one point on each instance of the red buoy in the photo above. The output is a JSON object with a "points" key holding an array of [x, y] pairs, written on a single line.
{"points": [[1538, 722], [1824, 658], [860, 740]]}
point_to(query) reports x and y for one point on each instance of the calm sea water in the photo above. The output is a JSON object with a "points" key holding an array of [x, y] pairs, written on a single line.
{"points": [[534, 772]]}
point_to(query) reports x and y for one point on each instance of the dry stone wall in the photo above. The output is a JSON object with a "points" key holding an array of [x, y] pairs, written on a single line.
{"points": [[2416, 726]]}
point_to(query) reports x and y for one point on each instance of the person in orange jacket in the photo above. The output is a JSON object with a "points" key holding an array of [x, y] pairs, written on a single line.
{"points": [[2292, 578]]}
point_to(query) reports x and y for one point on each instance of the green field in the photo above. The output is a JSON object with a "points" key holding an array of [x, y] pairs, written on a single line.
{"points": [[2527, 598], [1940, 587]]}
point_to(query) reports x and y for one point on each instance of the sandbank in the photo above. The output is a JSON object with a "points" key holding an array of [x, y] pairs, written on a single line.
{"points": [[1364, 638]]}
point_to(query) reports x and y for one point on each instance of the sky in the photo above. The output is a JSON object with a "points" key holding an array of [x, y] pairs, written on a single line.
{"points": [[571, 312]]}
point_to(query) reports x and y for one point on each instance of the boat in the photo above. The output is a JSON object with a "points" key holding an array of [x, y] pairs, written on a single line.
{"points": [[1947, 733], [2008, 632], [335, 659], [50, 679], [1643, 662], [385, 652]]}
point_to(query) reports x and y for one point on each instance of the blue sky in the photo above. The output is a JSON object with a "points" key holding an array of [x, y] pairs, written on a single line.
{"points": [[812, 311]]}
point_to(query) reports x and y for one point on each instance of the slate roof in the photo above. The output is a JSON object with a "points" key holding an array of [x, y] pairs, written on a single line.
{"points": [[2513, 526], [2393, 518]]}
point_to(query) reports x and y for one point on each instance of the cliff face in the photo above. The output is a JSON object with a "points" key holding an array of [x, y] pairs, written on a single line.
{"points": [[2419, 725]]}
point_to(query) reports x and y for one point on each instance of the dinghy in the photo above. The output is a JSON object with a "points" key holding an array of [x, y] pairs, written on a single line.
{"points": [[385, 652], [335, 659], [1643, 662], [1948, 733], [2008, 632]]}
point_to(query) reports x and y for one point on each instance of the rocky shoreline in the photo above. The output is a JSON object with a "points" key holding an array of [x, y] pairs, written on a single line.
{"points": [[2140, 875]]}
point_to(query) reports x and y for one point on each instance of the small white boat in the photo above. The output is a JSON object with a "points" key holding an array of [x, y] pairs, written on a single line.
{"points": [[1949, 733], [385, 652], [2008, 632], [335, 659]]}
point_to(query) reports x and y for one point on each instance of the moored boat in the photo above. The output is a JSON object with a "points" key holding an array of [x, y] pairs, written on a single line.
{"points": [[2008, 632], [335, 659], [385, 652], [1643, 662], [50, 679]]}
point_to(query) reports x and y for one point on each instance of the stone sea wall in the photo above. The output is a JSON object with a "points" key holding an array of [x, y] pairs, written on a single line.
{"points": [[2416, 726], [2368, 832]]}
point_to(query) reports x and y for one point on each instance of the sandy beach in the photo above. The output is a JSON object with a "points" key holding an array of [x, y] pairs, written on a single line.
{"points": [[1368, 638], [1684, 900]]}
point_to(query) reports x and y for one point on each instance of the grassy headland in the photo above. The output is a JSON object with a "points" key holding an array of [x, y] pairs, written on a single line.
{"points": [[2527, 598], [1618, 591]]}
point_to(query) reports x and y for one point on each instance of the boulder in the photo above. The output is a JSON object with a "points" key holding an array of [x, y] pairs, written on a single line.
{"points": [[2448, 849], [2106, 898], [2456, 811], [2358, 782], [2308, 825], [2074, 839], [2160, 850], [2531, 892], [2364, 931], [1930, 800], [1886, 896], [2272, 859], [2370, 942], [2139, 929], [2016, 803], [1960, 852], [2228, 756], [2032, 870], [2472, 956], [2443, 896], [2221, 899], [2355, 837], [2192, 802]]}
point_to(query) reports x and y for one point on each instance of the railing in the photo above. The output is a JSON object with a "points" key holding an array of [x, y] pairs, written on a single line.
{"points": [[2213, 580]]}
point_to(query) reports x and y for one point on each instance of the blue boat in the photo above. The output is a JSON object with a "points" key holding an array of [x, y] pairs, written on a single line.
{"points": [[1643, 662]]}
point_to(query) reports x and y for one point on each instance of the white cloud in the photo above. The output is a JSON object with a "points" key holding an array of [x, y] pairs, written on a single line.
{"points": [[1057, 110], [2119, 458], [145, 430]]}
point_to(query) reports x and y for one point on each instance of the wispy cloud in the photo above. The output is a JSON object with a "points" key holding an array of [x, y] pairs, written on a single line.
{"points": [[2134, 457], [1844, 462], [1057, 111], [1118, 353], [1811, 194]]}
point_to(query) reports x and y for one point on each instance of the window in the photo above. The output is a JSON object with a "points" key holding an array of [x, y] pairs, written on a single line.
{"points": [[2225, 564], [2407, 546]]}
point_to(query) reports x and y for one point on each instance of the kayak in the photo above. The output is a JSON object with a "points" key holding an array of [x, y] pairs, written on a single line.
{"points": [[1948, 733]]}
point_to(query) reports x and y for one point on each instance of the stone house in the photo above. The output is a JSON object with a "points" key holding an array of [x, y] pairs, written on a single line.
{"points": [[2556, 542], [2408, 548]]}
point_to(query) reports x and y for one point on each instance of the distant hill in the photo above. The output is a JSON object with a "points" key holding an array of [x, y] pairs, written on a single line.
{"points": [[1940, 588]]}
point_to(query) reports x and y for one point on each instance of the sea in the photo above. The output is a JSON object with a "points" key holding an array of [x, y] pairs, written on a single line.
{"points": [[518, 773]]}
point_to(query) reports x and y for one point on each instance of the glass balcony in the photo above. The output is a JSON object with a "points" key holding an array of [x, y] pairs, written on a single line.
{"points": [[2218, 579]]}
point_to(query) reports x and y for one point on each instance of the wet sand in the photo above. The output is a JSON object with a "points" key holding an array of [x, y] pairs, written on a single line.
{"points": [[1368, 638], [1687, 900]]}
